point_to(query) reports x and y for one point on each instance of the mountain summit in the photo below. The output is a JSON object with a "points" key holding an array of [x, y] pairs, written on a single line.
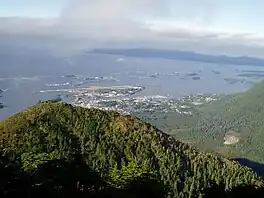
{"points": [[119, 149]]}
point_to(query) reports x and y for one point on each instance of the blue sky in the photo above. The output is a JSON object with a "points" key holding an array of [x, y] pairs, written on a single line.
{"points": [[31, 8], [244, 14]]}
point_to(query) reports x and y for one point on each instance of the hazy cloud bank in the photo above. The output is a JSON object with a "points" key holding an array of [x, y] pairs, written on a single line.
{"points": [[179, 24]]}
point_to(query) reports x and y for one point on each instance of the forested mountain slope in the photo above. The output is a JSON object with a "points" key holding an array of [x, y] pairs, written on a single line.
{"points": [[118, 149], [242, 114]]}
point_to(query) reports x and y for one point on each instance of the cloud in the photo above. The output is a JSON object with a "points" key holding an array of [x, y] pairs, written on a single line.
{"points": [[105, 18], [150, 20], [25, 25], [125, 18], [179, 24], [193, 32]]}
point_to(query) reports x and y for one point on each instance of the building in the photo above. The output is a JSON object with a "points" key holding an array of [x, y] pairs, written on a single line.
{"points": [[231, 138]]}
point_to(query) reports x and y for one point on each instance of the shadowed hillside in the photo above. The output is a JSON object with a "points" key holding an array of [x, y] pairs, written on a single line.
{"points": [[255, 166]]}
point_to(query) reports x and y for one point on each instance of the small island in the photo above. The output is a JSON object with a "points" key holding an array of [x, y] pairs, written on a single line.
{"points": [[192, 74], [196, 78], [216, 72], [1, 104]]}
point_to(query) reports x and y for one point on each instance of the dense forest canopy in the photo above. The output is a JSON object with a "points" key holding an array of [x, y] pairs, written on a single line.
{"points": [[54, 147], [241, 114]]}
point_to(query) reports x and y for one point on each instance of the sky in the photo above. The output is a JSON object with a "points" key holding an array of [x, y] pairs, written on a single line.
{"points": [[225, 26], [31, 8]]}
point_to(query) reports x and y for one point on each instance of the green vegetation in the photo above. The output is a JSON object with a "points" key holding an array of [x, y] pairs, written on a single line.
{"points": [[58, 148], [172, 123], [241, 113]]}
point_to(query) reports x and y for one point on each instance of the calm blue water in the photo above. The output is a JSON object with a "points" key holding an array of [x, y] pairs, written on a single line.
{"points": [[23, 74]]}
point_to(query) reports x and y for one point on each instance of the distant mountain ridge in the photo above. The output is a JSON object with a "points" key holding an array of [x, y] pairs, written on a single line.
{"points": [[182, 55]]}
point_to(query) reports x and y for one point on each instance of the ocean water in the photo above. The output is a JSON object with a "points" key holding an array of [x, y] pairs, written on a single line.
{"points": [[23, 74]]}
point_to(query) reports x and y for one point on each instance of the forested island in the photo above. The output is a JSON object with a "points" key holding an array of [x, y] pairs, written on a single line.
{"points": [[1, 104], [56, 149]]}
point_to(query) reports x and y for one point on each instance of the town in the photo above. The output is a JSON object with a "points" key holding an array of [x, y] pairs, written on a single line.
{"points": [[124, 101], [127, 100]]}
